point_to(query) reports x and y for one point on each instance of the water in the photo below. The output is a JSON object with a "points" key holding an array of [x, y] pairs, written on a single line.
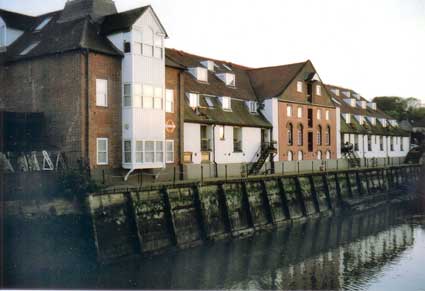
{"points": [[383, 249]]}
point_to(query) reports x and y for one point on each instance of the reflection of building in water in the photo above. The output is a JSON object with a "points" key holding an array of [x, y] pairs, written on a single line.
{"points": [[361, 260]]}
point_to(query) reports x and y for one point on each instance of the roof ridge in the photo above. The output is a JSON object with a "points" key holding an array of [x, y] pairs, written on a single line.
{"points": [[279, 66], [208, 58], [14, 12]]}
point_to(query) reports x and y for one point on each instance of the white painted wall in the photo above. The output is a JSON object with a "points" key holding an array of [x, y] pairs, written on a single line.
{"points": [[251, 142], [141, 124], [376, 152], [271, 112], [192, 141]]}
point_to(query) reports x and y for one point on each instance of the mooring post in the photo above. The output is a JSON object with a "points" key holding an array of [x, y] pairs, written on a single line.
{"points": [[312, 166], [337, 167], [225, 171], [174, 176]]}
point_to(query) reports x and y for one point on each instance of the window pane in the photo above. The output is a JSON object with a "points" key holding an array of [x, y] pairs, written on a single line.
{"points": [[101, 92], [169, 97], [101, 145], [158, 103], [170, 146], [147, 91], [102, 158], [159, 156], [147, 50]]}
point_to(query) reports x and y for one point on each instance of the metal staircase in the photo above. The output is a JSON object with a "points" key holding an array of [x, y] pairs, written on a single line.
{"points": [[266, 149], [348, 153]]}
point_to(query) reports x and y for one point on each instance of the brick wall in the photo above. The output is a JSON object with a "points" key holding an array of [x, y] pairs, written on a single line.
{"points": [[172, 82], [106, 122], [51, 85]]}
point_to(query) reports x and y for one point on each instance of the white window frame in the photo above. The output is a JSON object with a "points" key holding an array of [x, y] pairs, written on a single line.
{"points": [[2, 35], [148, 98], [299, 86], [319, 114], [159, 150], [202, 74], [221, 132], [252, 105], [168, 142], [169, 100], [141, 151], [101, 97], [125, 151], [193, 100], [157, 98], [226, 103], [102, 139], [318, 90], [128, 96], [289, 110]]}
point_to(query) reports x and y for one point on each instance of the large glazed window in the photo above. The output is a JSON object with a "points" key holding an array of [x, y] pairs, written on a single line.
{"points": [[102, 151], [102, 92]]}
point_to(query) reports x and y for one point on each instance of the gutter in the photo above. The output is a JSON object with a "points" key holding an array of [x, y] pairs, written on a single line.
{"points": [[88, 76]]}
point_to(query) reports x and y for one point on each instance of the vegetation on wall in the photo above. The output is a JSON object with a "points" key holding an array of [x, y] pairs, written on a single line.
{"points": [[401, 108]]}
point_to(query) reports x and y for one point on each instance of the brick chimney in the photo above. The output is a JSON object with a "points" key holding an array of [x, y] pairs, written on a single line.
{"points": [[77, 9]]}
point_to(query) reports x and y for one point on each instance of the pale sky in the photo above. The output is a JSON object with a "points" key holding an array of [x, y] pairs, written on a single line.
{"points": [[376, 47]]}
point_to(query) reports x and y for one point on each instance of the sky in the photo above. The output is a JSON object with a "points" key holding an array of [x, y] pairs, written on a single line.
{"points": [[375, 47]]}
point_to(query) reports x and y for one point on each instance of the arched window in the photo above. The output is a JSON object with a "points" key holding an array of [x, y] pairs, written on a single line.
{"points": [[328, 135], [290, 132], [319, 135], [319, 155], [300, 155], [328, 155], [290, 156], [319, 114], [300, 134], [300, 112]]}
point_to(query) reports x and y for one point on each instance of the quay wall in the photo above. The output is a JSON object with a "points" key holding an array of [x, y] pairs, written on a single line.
{"points": [[158, 218]]}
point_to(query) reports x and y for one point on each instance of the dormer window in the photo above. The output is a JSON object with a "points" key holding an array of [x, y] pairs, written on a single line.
{"points": [[350, 101], [193, 100], [226, 103], [2, 35], [347, 94], [209, 65], [201, 74], [29, 48], [347, 117], [360, 119], [228, 78], [362, 104], [383, 121], [300, 86], [372, 105], [42, 24], [252, 105], [209, 101], [335, 91], [372, 120]]}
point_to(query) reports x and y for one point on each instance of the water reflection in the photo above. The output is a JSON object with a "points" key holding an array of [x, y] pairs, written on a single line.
{"points": [[325, 253]]}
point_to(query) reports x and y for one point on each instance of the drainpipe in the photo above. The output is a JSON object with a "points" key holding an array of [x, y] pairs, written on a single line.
{"points": [[181, 124], [88, 75], [214, 161]]}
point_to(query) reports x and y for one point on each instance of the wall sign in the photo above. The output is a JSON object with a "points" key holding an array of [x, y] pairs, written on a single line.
{"points": [[170, 126]]}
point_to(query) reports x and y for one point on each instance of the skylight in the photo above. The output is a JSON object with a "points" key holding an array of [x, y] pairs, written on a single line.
{"points": [[209, 101], [43, 24], [29, 48], [227, 67]]}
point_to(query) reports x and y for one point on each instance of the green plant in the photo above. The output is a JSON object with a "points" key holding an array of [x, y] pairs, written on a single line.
{"points": [[77, 183]]}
